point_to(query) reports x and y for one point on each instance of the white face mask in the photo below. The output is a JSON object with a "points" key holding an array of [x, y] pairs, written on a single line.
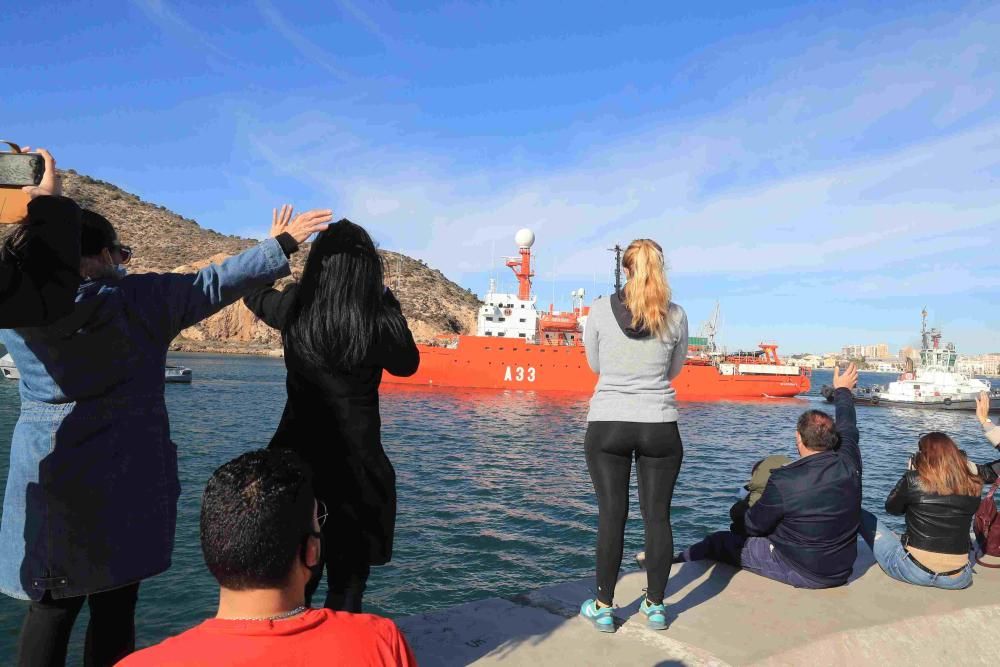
{"points": [[119, 271]]}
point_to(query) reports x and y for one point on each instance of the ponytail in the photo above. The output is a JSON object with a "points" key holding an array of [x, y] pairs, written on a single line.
{"points": [[647, 292]]}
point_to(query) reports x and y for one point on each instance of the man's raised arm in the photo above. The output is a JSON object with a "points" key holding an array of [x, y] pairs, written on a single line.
{"points": [[846, 418]]}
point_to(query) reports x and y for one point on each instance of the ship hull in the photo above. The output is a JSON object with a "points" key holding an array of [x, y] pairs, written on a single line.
{"points": [[498, 363]]}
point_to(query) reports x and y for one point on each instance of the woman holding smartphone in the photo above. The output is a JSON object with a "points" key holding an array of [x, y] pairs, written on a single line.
{"points": [[40, 258], [90, 506], [938, 495]]}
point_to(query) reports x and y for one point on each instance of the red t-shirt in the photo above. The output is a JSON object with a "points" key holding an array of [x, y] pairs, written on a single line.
{"points": [[317, 637]]}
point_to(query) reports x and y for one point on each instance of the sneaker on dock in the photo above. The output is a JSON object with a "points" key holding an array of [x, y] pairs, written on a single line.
{"points": [[656, 615], [601, 617]]}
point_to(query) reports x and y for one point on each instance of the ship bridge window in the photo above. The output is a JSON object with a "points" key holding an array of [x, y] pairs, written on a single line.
{"points": [[489, 333], [521, 320], [522, 335]]}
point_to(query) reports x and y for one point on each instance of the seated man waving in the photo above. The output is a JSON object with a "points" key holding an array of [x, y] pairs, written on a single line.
{"points": [[803, 530]]}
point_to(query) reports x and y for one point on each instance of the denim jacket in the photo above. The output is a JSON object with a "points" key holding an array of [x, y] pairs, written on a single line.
{"points": [[91, 499]]}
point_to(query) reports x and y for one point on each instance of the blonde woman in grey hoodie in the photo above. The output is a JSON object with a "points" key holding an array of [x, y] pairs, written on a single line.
{"points": [[636, 342]]}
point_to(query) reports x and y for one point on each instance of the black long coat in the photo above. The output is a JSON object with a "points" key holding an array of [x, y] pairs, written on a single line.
{"points": [[332, 420]]}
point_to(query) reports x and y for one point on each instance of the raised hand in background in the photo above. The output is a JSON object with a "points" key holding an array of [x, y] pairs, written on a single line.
{"points": [[302, 226]]}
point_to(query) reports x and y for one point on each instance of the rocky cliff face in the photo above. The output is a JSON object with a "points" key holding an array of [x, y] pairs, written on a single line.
{"points": [[165, 241]]}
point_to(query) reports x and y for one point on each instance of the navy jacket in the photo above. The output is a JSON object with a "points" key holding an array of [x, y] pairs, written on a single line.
{"points": [[811, 509], [91, 497]]}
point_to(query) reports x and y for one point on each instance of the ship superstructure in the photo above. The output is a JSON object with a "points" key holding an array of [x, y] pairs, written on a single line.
{"points": [[518, 346]]}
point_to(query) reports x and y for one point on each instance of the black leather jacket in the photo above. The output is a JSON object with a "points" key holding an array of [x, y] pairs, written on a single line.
{"points": [[936, 523]]}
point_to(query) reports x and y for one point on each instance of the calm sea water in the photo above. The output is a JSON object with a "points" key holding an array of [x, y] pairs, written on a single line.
{"points": [[494, 495]]}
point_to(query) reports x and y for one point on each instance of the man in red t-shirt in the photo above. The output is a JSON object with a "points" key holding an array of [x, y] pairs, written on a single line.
{"points": [[260, 530]]}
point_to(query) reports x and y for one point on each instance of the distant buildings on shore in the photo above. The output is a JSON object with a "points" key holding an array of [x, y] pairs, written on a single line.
{"points": [[876, 351], [882, 362], [980, 364]]}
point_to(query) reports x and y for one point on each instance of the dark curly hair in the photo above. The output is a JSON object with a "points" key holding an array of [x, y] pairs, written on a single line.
{"points": [[256, 512]]}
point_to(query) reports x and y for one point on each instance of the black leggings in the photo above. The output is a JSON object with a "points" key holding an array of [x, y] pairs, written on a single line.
{"points": [[657, 448], [110, 633], [346, 577]]}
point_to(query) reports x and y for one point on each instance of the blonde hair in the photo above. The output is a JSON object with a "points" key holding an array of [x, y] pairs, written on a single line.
{"points": [[647, 292]]}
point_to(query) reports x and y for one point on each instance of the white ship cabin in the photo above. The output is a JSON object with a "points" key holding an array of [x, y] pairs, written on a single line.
{"points": [[506, 316]]}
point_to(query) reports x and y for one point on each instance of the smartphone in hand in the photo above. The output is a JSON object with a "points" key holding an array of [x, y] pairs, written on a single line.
{"points": [[17, 170]]}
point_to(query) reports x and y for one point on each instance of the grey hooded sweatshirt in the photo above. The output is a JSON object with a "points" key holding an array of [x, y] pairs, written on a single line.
{"points": [[635, 368]]}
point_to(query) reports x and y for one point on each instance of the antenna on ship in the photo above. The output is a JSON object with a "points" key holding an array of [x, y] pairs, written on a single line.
{"points": [[924, 335], [552, 265], [618, 266]]}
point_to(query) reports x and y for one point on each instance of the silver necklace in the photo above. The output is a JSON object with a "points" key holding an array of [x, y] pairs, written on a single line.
{"points": [[277, 617]]}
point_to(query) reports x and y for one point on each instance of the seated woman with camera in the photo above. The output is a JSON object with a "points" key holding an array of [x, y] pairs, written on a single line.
{"points": [[938, 494]]}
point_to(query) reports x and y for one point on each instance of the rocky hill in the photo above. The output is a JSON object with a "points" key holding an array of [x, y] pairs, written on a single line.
{"points": [[165, 241]]}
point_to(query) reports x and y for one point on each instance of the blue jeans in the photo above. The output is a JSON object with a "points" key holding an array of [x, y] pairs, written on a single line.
{"points": [[895, 561], [755, 554]]}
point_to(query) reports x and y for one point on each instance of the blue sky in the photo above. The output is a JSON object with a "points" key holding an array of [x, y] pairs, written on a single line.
{"points": [[823, 172]]}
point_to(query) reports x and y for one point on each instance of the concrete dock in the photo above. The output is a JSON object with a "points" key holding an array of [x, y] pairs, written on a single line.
{"points": [[721, 616]]}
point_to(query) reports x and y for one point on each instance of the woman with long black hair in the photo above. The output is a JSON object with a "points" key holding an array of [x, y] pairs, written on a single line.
{"points": [[341, 327]]}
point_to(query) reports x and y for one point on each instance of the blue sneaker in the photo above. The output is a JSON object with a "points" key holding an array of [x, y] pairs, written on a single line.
{"points": [[656, 615], [601, 617]]}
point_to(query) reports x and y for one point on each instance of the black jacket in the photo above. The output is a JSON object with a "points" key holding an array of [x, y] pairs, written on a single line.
{"points": [[332, 420], [40, 286], [811, 509], [936, 523]]}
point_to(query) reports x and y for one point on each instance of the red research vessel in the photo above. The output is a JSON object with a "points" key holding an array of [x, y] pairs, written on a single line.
{"points": [[518, 347]]}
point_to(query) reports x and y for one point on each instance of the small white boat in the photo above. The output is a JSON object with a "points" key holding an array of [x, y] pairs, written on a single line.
{"points": [[178, 374], [8, 368], [173, 374]]}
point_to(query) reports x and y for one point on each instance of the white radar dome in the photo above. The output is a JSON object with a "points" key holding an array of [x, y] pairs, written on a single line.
{"points": [[525, 238]]}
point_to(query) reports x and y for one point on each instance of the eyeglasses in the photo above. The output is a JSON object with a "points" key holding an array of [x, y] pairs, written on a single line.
{"points": [[125, 252], [321, 515]]}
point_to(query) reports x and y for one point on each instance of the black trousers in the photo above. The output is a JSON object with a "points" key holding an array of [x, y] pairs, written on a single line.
{"points": [[49, 623], [657, 449], [346, 577]]}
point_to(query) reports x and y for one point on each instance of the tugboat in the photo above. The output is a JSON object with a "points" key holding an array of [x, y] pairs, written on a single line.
{"points": [[518, 346], [934, 384], [173, 374]]}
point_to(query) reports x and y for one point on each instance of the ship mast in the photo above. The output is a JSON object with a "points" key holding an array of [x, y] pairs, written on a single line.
{"points": [[521, 266], [618, 267], [924, 338]]}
